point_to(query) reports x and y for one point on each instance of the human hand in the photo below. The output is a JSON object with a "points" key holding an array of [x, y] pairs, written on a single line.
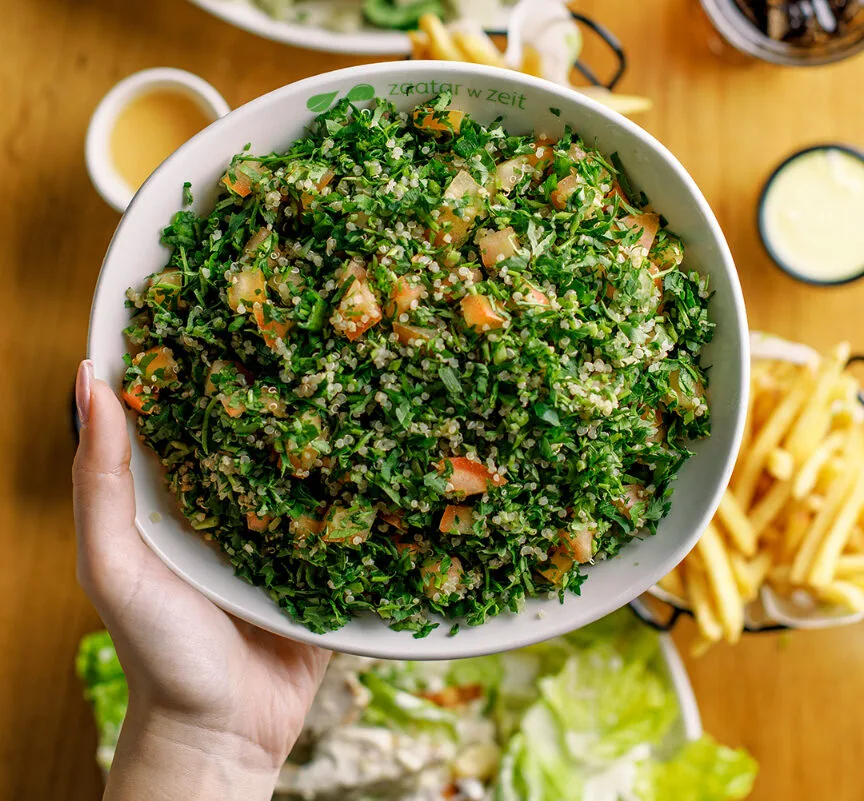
{"points": [[215, 705]]}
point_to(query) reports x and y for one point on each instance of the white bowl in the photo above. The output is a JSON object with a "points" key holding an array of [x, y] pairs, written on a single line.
{"points": [[271, 123], [367, 40], [109, 184]]}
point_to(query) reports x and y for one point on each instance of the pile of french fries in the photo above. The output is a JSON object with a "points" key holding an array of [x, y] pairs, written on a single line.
{"points": [[793, 516], [461, 42]]}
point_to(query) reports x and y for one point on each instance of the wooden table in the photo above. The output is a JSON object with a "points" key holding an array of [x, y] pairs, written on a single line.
{"points": [[794, 700]]}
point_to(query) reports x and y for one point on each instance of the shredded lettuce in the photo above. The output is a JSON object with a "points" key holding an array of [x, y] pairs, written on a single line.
{"points": [[99, 669]]}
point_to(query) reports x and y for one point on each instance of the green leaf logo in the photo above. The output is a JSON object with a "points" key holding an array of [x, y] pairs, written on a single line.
{"points": [[361, 92], [320, 103]]}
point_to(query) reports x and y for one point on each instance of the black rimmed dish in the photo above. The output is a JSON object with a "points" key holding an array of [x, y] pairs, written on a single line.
{"points": [[764, 235]]}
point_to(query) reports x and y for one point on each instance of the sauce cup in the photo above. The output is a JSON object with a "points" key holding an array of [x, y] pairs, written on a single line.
{"points": [[115, 191]]}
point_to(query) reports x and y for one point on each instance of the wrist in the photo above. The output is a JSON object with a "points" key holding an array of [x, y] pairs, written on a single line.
{"points": [[164, 755]]}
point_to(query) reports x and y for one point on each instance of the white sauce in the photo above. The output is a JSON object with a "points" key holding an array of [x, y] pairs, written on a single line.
{"points": [[813, 215]]}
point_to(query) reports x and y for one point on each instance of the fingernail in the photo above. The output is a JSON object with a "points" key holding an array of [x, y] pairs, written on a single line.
{"points": [[83, 386]]}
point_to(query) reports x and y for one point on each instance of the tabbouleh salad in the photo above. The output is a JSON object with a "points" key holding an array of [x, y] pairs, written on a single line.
{"points": [[417, 365]]}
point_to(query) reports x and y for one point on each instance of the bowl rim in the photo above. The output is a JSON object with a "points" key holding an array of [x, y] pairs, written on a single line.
{"points": [[431, 648], [760, 215]]}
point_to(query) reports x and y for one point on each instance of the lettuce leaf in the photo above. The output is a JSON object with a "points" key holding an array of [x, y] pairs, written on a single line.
{"points": [[104, 685]]}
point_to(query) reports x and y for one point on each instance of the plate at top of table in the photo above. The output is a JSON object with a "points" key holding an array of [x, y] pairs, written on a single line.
{"points": [[337, 26]]}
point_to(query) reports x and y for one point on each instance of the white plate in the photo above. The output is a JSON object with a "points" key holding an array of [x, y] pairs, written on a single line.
{"points": [[271, 123], [366, 41]]}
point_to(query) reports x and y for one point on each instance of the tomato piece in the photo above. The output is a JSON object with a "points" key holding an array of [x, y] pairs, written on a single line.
{"points": [[451, 697], [349, 525], [359, 309], [579, 544], [566, 188], [560, 564], [438, 582], [648, 222], [271, 330], [241, 177], [158, 366], [413, 334], [509, 173], [259, 524], [455, 218], [437, 122], [480, 314], [405, 292], [497, 246], [470, 477], [256, 240], [247, 288], [165, 287], [307, 198], [137, 399], [457, 520], [395, 518]]}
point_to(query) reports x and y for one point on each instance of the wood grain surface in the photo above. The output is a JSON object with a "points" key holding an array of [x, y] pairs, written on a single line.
{"points": [[793, 700]]}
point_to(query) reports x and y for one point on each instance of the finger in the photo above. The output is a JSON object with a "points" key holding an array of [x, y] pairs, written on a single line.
{"points": [[108, 540]]}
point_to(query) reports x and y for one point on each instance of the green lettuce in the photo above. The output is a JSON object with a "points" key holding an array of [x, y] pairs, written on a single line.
{"points": [[105, 686]]}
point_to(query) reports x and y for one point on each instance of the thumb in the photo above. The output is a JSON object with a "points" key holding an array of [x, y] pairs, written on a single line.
{"points": [[109, 546]]}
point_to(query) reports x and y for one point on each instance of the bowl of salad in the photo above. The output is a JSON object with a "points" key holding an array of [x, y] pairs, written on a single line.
{"points": [[494, 727], [370, 27], [429, 361]]}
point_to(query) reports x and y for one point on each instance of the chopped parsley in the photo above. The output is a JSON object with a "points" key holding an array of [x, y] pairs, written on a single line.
{"points": [[417, 365]]}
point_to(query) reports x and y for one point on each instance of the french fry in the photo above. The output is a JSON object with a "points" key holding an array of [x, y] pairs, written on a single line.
{"points": [[849, 565], [721, 581], [803, 561], [419, 45], [815, 419], [797, 523], [764, 512], [701, 602], [825, 561], [737, 525], [441, 44], [478, 48], [743, 579], [856, 540], [532, 62], [781, 464], [843, 593], [759, 567], [770, 437], [809, 471], [673, 583]]}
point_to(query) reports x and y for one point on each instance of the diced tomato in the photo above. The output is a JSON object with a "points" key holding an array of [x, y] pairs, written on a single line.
{"points": [[455, 278], [480, 313], [359, 309], [244, 173], [401, 547], [648, 222], [233, 408], [349, 525], [271, 330], [438, 582], [326, 179], [684, 399], [305, 526], [395, 519], [137, 399], [470, 477], [544, 154], [256, 240], [579, 544], [218, 366], [413, 334], [537, 297], [259, 524], [509, 173], [303, 458], [457, 520], [247, 288], [633, 495], [455, 218], [576, 152], [560, 564], [165, 288], [566, 188], [272, 402], [405, 292], [158, 366], [496, 246], [448, 121]]}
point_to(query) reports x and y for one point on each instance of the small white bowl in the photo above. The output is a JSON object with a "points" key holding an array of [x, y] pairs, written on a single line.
{"points": [[115, 191], [273, 122]]}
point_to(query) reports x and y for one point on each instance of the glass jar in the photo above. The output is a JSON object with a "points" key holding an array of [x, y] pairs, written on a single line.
{"points": [[738, 32]]}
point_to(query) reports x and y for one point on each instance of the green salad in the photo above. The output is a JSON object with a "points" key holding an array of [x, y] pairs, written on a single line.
{"points": [[589, 717], [350, 15], [420, 365]]}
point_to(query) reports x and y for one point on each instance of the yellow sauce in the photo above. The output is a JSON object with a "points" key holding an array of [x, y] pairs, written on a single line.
{"points": [[813, 215], [151, 128]]}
